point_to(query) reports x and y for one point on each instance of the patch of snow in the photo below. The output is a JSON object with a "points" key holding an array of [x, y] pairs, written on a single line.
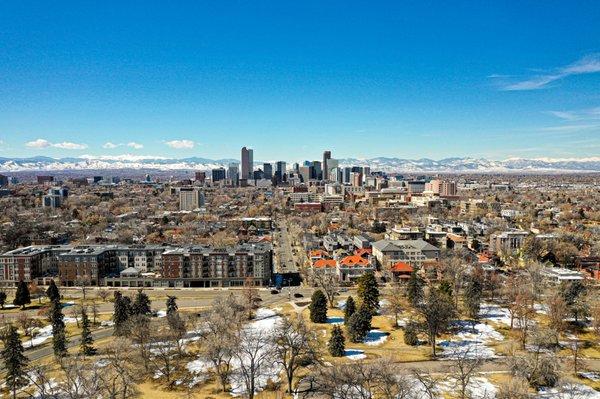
{"points": [[540, 308], [335, 320], [161, 313], [41, 335], [376, 337], [471, 340], [590, 375], [354, 354], [569, 391]]}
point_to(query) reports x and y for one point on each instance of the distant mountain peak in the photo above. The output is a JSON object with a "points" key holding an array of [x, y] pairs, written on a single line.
{"points": [[386, 164]]}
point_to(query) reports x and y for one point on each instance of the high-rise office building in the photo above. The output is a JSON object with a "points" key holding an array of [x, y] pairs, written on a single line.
{"points": [[200, 177], [267, 171], [233, 173], [317, 170], [306, 172], [3, 181], [326, 167], [280, 169], [247, 163], [296, 167], [218, 174], [346, 175]]}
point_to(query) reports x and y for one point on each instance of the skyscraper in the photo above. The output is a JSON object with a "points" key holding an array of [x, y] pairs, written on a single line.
{"points": [[326, 157], [247, 163], [233, 173], [218, 174], [280, 168], [267, 171]]}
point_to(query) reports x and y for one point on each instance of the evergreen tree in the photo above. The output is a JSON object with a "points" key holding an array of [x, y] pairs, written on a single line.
{"points": [[318, 307], [141, 304], [52, 292], [22, 296], [359, 324], [349, 309], [171, 304], [414, 289], [446, 287], [59, 338], [14, 361], [2, 299], [121, 314], [472, 296], [411, 334], [87, 342], [368, 293], [337, 342]]}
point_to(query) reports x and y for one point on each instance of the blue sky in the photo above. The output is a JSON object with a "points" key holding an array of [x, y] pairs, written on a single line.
{"points": [[364, 79]]}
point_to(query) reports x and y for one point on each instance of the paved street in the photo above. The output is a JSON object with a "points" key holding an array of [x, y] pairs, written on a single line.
{"points": [[284, 257]]}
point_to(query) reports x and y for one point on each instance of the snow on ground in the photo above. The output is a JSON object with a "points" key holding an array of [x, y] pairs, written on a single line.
{"points": [[540, 308], [335, 320], [161, 313], [495, 313], [265, 321], [354, 354], [569, 391], [402, 322], [499, 314], [199, 369], [591, 375], [376, 337], [472, 340], [41, 336]]}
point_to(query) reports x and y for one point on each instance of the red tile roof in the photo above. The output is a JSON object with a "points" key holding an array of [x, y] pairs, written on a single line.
{"points": [[363, 251], [402, 267], [324, 263], [354, 260]]}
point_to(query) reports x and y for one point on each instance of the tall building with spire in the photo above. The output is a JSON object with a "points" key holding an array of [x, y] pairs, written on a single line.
{"points": [[247, 163]]}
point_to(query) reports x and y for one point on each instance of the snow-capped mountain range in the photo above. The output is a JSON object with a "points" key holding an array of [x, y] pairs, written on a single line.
{"points": [[448, 165]]}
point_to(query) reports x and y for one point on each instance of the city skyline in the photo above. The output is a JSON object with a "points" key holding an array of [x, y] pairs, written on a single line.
{"points": [[397, 80]]}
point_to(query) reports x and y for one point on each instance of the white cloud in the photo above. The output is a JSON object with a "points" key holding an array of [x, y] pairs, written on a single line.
{"points": [[109, 145], [179, 144], [586, 65], [135, 145], [39, 143], [65, 145], [578, 115]]}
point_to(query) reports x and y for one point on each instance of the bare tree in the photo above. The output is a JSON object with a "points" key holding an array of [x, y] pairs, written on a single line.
{"points": [[514, 388], [119, 374], [251, 296], [328, 283], [220, 331], [165, 355], [464, 366], [524, 313], [103, 294], [395, 302], [254, 359], [557, 312], [294, 345], [141, 335]]}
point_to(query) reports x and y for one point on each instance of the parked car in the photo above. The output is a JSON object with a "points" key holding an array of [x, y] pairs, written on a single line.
{"points": [[273, 292], [298, 295]]}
